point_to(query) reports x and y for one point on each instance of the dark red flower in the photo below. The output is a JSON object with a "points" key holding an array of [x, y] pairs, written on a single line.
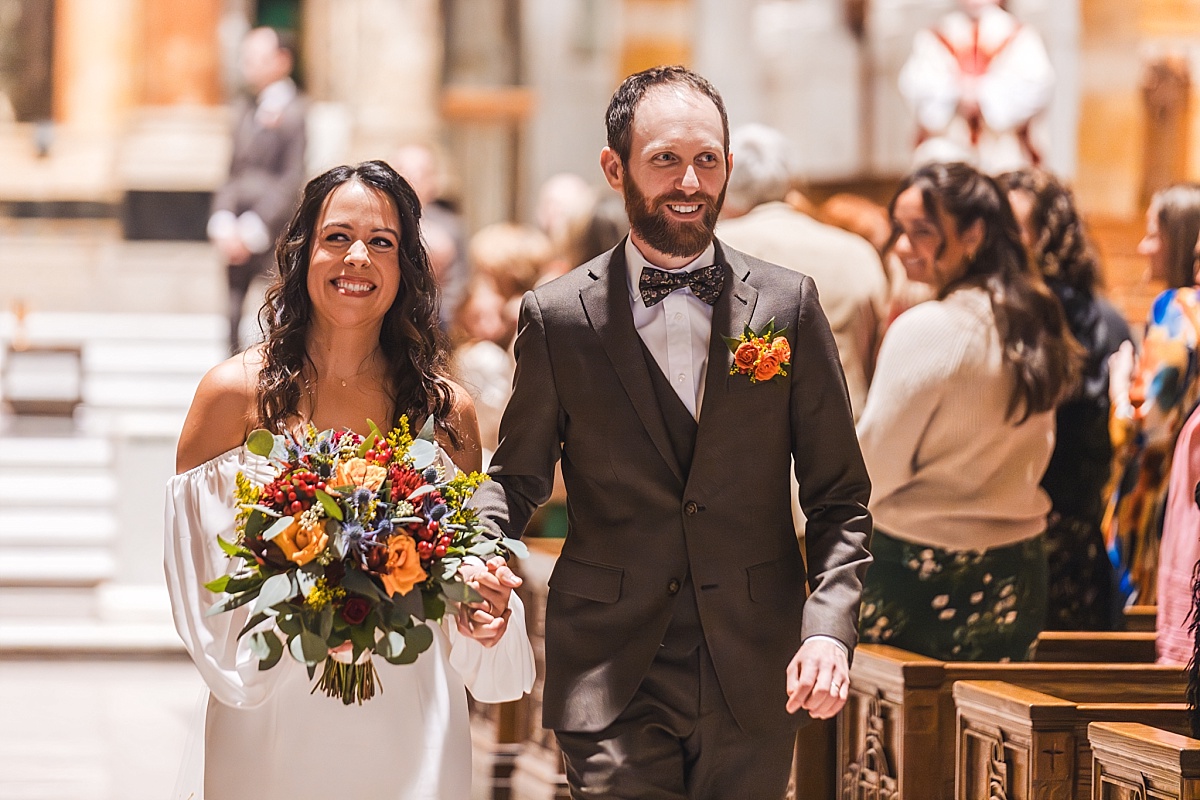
{"points": [[356, 609]]}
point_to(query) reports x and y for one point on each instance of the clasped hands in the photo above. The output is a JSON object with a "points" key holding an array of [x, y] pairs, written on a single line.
{"points": [[486, 621], [818, 678]]}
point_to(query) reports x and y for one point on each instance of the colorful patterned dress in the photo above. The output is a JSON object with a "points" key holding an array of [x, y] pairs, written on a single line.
{"points": [[1146, 421]]}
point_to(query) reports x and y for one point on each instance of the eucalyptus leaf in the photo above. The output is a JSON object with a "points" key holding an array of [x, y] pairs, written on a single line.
{"points": [[288, 623], [421, 491], [405, 520], [259, 646], [276, 589], [423, 453], [391, 645], [228, 548], [312, 647], [359, 582], [449, 567], [366, 445], [485, 548], [435, 607], [325, 622], [329, 504], [229, 603], [260, 442], [418, 638], [516, 547], [279, 526], [253, 622], [218, 585], [270, 512], [296, 648], [460, 592], [426, 434], [275, 646], [363, 638]]}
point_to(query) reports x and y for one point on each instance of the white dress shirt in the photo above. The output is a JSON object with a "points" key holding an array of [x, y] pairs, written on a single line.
{"points": [[677, 330]]}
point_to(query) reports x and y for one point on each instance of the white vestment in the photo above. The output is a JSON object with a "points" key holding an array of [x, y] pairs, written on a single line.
{"points": [[1000, 62]]}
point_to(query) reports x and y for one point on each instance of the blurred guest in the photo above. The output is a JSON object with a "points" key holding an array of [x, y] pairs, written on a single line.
{"points": [[1153, 393], [959, 427], [976, 83], [441, 227], [870, 221], [846, 269], [603, 230], [266, 170], [1081, 596], [513, 257], [483, 362], [564, 205]]}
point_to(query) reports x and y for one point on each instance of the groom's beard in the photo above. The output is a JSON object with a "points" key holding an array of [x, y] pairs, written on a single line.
{"points": [[674, 238]]}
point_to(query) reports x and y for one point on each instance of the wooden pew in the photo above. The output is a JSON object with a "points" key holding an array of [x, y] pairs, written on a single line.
{"points": [[1134, 647], [1137, 762], [1140, 618], [1035, 745], [899, 723]]}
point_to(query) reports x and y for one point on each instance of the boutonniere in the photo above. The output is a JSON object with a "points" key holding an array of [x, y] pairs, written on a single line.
{"points": [[762, 356]]}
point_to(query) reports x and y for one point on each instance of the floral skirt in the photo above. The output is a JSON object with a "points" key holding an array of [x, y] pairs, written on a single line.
{"points": [[1082, 594], [955, 605]]}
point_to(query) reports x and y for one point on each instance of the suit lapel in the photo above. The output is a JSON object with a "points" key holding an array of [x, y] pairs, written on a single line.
{"points": [[731, 315], [606, 302]]}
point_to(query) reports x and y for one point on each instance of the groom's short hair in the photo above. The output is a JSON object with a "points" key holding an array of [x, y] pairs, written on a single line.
{"points": [[619, 117]]}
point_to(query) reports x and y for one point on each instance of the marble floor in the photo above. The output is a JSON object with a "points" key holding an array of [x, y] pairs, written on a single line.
{"points": [[94, 729]]}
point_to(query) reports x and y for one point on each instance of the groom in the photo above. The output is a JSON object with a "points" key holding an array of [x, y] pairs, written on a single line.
{"points": [[681, 651]]}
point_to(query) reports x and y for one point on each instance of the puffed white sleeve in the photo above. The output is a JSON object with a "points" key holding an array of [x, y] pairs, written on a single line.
{"points": [[500, 673], [199, 508], [1019, 83], [930, 82]]}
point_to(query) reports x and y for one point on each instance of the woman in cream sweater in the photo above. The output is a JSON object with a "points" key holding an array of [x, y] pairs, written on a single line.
{"points": [[959, 426]]}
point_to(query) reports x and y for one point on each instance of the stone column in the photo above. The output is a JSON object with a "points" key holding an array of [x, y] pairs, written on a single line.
{"points": [[374, 74], [175, 150]]}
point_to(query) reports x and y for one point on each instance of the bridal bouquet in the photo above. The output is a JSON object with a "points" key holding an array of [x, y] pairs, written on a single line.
{"points": [[349, 549]]}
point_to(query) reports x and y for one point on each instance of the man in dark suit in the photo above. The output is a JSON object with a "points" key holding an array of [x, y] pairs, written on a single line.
{"points": [[266, 171], [681, 652]]}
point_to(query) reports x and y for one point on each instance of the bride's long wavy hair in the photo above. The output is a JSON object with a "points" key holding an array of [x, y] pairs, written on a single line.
{"points": [[409, 339], [1036, 344]]}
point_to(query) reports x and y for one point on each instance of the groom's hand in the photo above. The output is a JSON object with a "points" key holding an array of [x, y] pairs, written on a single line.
{"points": [[487, 620], [818, 678]]}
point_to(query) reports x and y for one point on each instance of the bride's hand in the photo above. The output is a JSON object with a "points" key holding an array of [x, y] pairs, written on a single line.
{"points": [[486, 621]]}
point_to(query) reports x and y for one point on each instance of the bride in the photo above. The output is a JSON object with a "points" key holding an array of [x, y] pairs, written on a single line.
{"points": [[351, 335]]}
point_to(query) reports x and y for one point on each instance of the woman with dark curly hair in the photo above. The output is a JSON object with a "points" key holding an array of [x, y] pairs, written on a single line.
{"points": [[959, 426], [1081, 578], [351, 335]]}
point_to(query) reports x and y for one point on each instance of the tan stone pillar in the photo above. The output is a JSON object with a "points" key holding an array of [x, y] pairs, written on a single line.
{"points": [[655, 32], [380, 62], [95, 45], [179, 54]]}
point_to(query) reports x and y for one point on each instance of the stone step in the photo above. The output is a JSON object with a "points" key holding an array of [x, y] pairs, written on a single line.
{"points": [[120, 357], [87, 638], [24, 451], [55, 488], [140, 391], [66, 328], [57, 529], [51, 567]]}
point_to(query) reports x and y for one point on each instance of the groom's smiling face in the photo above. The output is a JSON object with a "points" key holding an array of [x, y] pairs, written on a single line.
{"points": [[675, 177]]}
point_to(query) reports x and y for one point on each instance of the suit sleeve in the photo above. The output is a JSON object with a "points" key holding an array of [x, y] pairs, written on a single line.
{"points": [[834, 487], [522, 468], [281, 194]]}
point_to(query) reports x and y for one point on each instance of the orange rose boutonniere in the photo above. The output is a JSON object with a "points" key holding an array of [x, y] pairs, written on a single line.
{"points": [[761, 356]]}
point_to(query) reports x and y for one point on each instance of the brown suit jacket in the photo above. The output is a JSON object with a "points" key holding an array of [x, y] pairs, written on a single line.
{"points": [[638, 525], [266, 169]]}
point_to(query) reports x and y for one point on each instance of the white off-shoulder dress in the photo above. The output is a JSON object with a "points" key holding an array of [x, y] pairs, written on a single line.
{"points": [[265, 736]]}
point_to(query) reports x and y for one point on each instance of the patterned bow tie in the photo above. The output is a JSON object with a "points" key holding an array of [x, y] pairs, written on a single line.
{"points": [[706, 283]]}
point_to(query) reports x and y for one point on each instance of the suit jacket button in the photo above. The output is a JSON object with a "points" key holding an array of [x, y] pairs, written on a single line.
{"points": [[673, 587], [690, 508]]}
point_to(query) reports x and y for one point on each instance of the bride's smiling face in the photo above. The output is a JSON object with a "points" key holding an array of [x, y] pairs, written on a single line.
{"points": [[354, 262]]}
